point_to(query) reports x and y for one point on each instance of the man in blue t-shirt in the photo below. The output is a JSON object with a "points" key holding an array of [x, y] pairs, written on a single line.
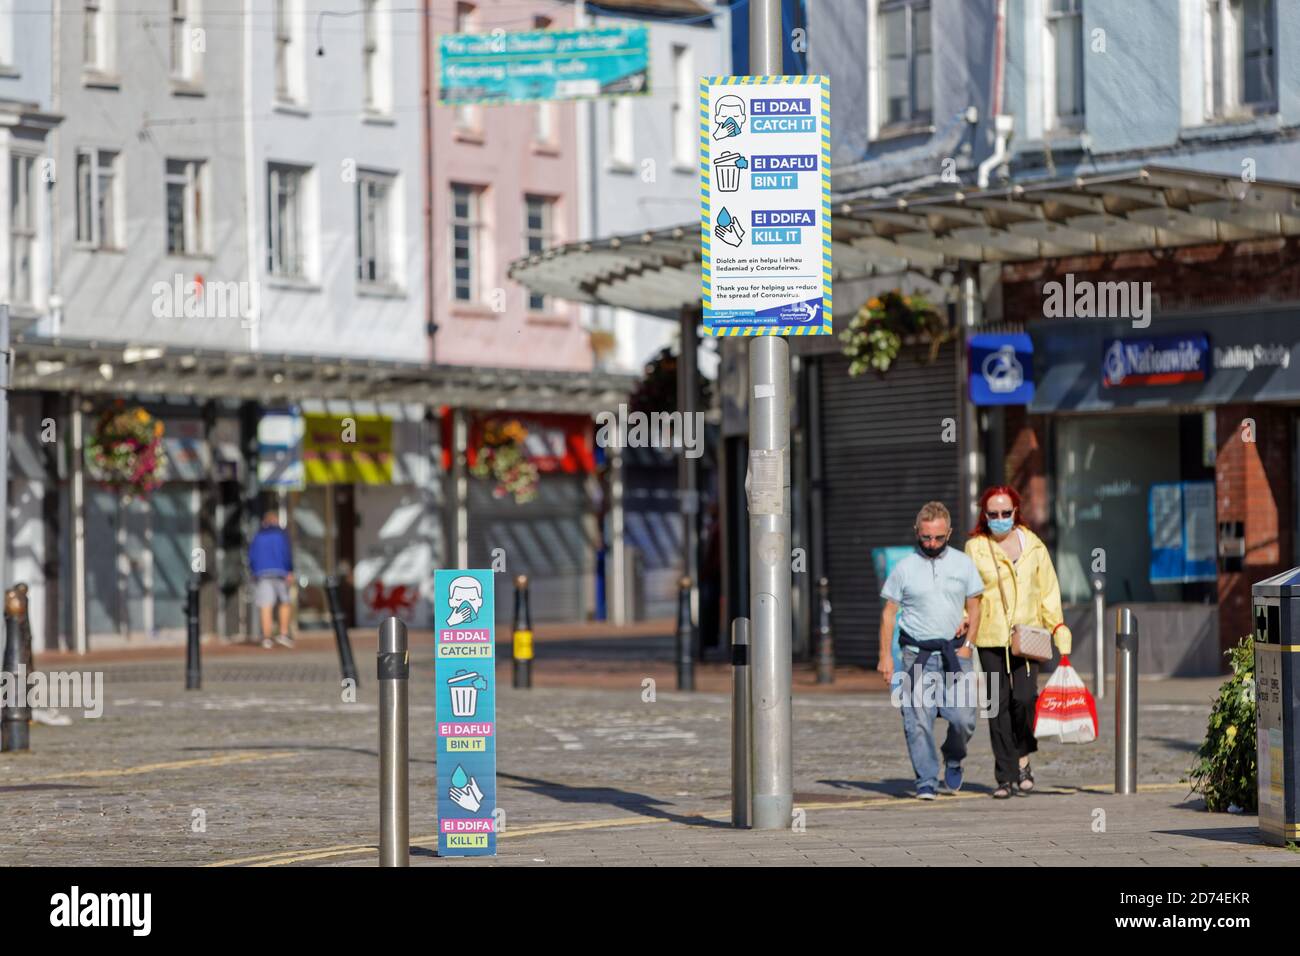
{"points": [[928, 591], [270, 558]]}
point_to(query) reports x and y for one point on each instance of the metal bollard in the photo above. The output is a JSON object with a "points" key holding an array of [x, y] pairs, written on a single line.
{"points": [[521, 646], [193, 662], [742, 728], [1126, 694], [685, 646], [341, 631], [15, 722], [394, 743], [1099, 628], [825, 642]]}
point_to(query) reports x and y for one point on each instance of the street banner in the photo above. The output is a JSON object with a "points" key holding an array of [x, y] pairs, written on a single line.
{"points": [[501, 67], [279, 451], [765, 205], [347, 449], [465, 711]]}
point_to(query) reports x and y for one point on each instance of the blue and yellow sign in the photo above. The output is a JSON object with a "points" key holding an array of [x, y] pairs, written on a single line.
{"points": [[465, 694], [501, 67], [765, 205]]}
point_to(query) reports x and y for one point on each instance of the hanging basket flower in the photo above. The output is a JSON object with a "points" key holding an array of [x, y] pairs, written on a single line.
{"points": [[500, 456], [885, 324], [125, 451]]}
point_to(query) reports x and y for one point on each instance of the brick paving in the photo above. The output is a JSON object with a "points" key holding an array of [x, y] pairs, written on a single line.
{"points": [[280, 770]]}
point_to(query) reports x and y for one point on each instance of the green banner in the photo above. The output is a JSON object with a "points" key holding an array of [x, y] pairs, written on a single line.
{"points": [[501, 67]]}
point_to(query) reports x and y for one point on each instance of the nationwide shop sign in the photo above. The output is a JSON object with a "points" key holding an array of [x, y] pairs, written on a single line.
{"points": [[465, 694], [765, 205], [1157, 360], [501, 67]]}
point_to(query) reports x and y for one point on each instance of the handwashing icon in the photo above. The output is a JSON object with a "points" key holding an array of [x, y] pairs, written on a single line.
{"points": [[728, 228]]}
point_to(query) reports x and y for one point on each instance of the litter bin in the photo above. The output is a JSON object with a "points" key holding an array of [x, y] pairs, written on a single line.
{"points": [[1277, 704]]}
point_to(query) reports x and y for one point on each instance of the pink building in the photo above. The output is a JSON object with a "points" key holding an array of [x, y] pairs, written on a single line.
{"points": [[504, 182]]}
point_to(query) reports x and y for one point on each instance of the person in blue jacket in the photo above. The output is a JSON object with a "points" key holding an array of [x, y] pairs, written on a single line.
{"points": [[270, 558]]}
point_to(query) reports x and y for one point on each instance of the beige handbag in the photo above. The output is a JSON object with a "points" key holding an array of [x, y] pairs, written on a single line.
{"points": [[1031, 643]]}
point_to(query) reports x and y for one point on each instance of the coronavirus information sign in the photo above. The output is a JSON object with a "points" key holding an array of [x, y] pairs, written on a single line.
{"points": [[465, 695], [765, 205]]}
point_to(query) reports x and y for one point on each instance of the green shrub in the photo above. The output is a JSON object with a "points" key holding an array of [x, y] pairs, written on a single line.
{"points": [[1224, 772]]}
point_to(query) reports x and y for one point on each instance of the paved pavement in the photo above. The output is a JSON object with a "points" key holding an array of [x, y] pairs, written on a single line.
{"points": [[267, 765]]}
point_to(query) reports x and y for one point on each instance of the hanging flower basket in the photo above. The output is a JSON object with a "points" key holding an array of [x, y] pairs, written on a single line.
{"points": [[125, 451], [885, 324], [500, 456]]}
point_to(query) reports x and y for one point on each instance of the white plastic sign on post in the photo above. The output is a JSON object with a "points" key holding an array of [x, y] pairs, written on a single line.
{"points": [[765, 205]]}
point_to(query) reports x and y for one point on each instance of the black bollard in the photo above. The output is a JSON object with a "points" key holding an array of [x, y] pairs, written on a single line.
{"points": [[825, 643], [685, 644], [193, 661], [341, 631], [522, 645], [15, 722]]}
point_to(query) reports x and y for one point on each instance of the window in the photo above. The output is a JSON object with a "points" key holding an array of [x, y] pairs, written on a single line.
{"points": [[374, 59], [286, 199], [685, 83], [620, 133], [905, 64], [97, 199], [1240, 65], [184, 26], [8, 25], [22, 228], [543, 112], [467, 116], [374, 229], [1063, 54], [185, 207], [466, 239], [287, 88], [538, 235], [96, 36]]}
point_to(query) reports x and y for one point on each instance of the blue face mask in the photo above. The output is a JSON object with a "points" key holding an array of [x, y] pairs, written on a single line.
{"points": [[1001, 526]]}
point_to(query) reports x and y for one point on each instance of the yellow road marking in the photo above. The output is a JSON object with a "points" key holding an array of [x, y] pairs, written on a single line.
{"points": [[247, 756]]}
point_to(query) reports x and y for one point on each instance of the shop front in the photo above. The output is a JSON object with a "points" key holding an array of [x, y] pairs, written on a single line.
{"points": [[1170, 464]]}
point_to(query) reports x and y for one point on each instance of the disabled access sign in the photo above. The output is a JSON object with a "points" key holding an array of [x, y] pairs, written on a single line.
{"points": [[465, 693], [765, 205]]}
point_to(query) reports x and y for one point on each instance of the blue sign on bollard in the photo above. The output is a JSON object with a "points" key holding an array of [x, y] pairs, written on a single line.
{"points": [[465, 678]]}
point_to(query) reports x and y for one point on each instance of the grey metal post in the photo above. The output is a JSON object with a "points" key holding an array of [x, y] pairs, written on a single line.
{"points": [[5, 368], [394, 787], [742, 728], [616, 579], [769, 532], [1099, 626], [80, 640], [1126, 692], [687, 472]]}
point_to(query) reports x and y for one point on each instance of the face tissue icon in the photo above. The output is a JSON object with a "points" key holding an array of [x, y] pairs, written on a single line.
{"points": [[729, 114], [465, 600]]}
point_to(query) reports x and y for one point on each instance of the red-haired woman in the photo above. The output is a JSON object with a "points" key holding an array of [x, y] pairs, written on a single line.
{"points": [[1020, 587]]}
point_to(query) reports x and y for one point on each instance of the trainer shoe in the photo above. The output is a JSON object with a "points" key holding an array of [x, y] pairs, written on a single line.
{"points": [[925, 793], [268, 643], [953, 778], [284, 640]]}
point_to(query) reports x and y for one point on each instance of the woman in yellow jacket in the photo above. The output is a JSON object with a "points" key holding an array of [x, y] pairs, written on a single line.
{"points": [[1020, 587]]}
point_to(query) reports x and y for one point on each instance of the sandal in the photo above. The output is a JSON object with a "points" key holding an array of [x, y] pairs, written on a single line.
{"points": [[1004, 791], [1026, 779]]}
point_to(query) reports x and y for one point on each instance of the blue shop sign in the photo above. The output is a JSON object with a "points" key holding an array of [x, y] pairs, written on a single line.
{"points": [[1156, 360], [1001, 369]]}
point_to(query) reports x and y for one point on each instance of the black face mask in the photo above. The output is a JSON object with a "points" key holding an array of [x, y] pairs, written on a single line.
{"points": [[931, 551]]}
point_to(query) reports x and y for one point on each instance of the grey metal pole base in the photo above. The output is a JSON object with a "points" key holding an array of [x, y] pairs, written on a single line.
{"points": [[394, 787], [742, 737], [1126, 698]]}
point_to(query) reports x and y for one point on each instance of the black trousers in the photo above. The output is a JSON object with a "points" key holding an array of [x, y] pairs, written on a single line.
{"points": [[1012, 730]]}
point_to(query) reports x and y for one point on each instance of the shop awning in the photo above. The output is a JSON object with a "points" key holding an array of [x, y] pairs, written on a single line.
{"points": [[100, 368], [928, 231]]}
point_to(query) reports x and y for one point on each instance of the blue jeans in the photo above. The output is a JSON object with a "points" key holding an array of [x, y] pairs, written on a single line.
{"points": [[957, 706]]}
